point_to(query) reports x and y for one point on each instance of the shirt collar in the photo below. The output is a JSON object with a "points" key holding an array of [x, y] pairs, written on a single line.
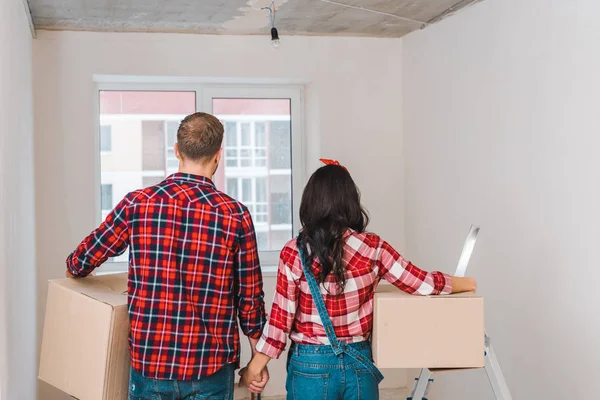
{"points": [[201, 180], [348, 232]]}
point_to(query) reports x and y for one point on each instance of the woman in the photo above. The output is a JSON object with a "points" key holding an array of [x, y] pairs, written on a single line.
{"points": [[325, 285]]}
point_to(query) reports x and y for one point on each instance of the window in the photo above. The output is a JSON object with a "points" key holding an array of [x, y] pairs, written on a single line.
{"points": [[139, 122], [148, 181], [256, 168], [106, 197], [246, 144], [253, 192], [280, 149], [105, 138], [171, 160], [153, 147], [258, 163]]}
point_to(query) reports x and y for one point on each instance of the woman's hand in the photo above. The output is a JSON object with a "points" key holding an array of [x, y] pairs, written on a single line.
{"points": [[460, 285], [253, 378]]}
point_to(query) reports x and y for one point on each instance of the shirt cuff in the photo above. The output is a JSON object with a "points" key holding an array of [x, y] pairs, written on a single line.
{"points": [[255, 334], [267, 349], [448, 285], [73, 269], [253, 322]]}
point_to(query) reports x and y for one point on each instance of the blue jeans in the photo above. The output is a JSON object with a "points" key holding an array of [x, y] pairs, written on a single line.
{"points": [[316, 373], [218, 386]]}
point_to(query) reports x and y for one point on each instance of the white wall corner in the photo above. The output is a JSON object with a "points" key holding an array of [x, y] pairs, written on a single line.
{"points": [[29, 18]]}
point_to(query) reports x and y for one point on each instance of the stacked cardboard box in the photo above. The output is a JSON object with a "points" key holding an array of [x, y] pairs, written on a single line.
{"points": [[85, 342], [427, 332]]}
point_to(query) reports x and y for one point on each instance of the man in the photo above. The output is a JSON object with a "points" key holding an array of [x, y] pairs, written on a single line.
{"points": [[193, 265]]}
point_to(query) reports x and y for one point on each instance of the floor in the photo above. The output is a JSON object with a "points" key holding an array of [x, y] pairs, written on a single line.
{"points": [[387, 394]]}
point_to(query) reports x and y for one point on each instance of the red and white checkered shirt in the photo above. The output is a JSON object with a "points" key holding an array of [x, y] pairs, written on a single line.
{"points": [[193, 268], [368, 259]]}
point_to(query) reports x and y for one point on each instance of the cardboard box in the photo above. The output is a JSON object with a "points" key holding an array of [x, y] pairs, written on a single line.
{"points": [[85, 344], [427, 332]]}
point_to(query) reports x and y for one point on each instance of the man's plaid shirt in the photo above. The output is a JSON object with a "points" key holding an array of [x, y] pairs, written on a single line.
{"points": [[193, 267]]}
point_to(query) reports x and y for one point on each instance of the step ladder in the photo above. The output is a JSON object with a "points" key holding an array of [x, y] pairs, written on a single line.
{"points": [[492, 367]]}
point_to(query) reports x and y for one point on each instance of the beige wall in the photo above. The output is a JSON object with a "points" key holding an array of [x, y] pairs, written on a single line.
{"points": [[18, 366], [501, 129], [352, 104]]}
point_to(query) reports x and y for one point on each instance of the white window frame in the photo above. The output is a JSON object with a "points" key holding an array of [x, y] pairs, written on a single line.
{"points": [[167, 158], [112, 200], [253, 202], [252, 147], [105, 152], [205, 92]]}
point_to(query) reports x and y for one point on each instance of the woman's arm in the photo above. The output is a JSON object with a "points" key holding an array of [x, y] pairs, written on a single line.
{"points": [[411, 279], [283, 312]]}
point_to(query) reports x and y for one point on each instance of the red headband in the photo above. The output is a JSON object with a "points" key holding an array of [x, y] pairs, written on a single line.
{"points": [[332, 162]]}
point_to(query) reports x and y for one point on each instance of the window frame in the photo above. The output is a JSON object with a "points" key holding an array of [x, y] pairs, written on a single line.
{"points": [[167, 158], [109, 151], [112, 200], [239, 146], [205, 92]]}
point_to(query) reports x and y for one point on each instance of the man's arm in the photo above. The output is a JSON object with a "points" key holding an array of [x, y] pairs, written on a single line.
{"points": [[285, 303], [253, 342], [249, 296], [110, 239]]}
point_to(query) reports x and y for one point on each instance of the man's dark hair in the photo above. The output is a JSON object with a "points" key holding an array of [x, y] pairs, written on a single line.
{"points": [[199, 136]]}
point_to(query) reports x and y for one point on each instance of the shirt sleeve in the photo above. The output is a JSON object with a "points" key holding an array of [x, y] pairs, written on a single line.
{"points": [[110, 239], [249, 296], [408, 277], [274, 338]]}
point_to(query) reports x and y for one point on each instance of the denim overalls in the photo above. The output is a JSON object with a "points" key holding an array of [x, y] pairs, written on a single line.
{"points": [[339, 371]]}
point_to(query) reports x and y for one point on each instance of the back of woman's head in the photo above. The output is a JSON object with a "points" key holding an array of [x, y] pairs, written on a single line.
{"points": [[330, 206]]}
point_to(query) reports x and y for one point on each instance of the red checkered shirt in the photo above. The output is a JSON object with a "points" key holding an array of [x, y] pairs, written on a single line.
{"points": [[368, 259], [193, 266]]}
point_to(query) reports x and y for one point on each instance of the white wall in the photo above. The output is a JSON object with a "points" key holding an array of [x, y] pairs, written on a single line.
{"points": [[501, 129], [352, 105], [18, 367]]}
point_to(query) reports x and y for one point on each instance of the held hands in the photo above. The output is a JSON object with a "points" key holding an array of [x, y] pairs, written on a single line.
{"points": [[253, 378]]}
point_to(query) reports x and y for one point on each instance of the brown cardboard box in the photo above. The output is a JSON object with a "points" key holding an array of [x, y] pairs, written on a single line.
{"points": [[427, 332], [85, 343]]}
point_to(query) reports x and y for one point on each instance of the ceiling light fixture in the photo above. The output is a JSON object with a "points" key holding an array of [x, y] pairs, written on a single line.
{"points": [[275, 42]]}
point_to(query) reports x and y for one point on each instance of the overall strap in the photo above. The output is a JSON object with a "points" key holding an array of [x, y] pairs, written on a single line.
{"points": [[338, 348]]}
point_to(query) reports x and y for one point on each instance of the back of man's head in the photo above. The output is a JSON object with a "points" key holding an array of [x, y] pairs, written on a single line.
{"points": [[199, 137]]}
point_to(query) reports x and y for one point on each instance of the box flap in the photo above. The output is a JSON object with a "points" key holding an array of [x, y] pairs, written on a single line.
{"points": [[110, 289]]}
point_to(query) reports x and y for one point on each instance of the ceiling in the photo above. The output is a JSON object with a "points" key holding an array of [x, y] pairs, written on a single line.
{"points": [[376, 18]]}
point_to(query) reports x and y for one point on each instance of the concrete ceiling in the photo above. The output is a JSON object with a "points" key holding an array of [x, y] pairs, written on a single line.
{"points": [[384, 18]]}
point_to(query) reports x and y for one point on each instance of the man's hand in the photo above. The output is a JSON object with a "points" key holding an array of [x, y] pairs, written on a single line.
{"points": [[254, 379], [68, 274]]}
